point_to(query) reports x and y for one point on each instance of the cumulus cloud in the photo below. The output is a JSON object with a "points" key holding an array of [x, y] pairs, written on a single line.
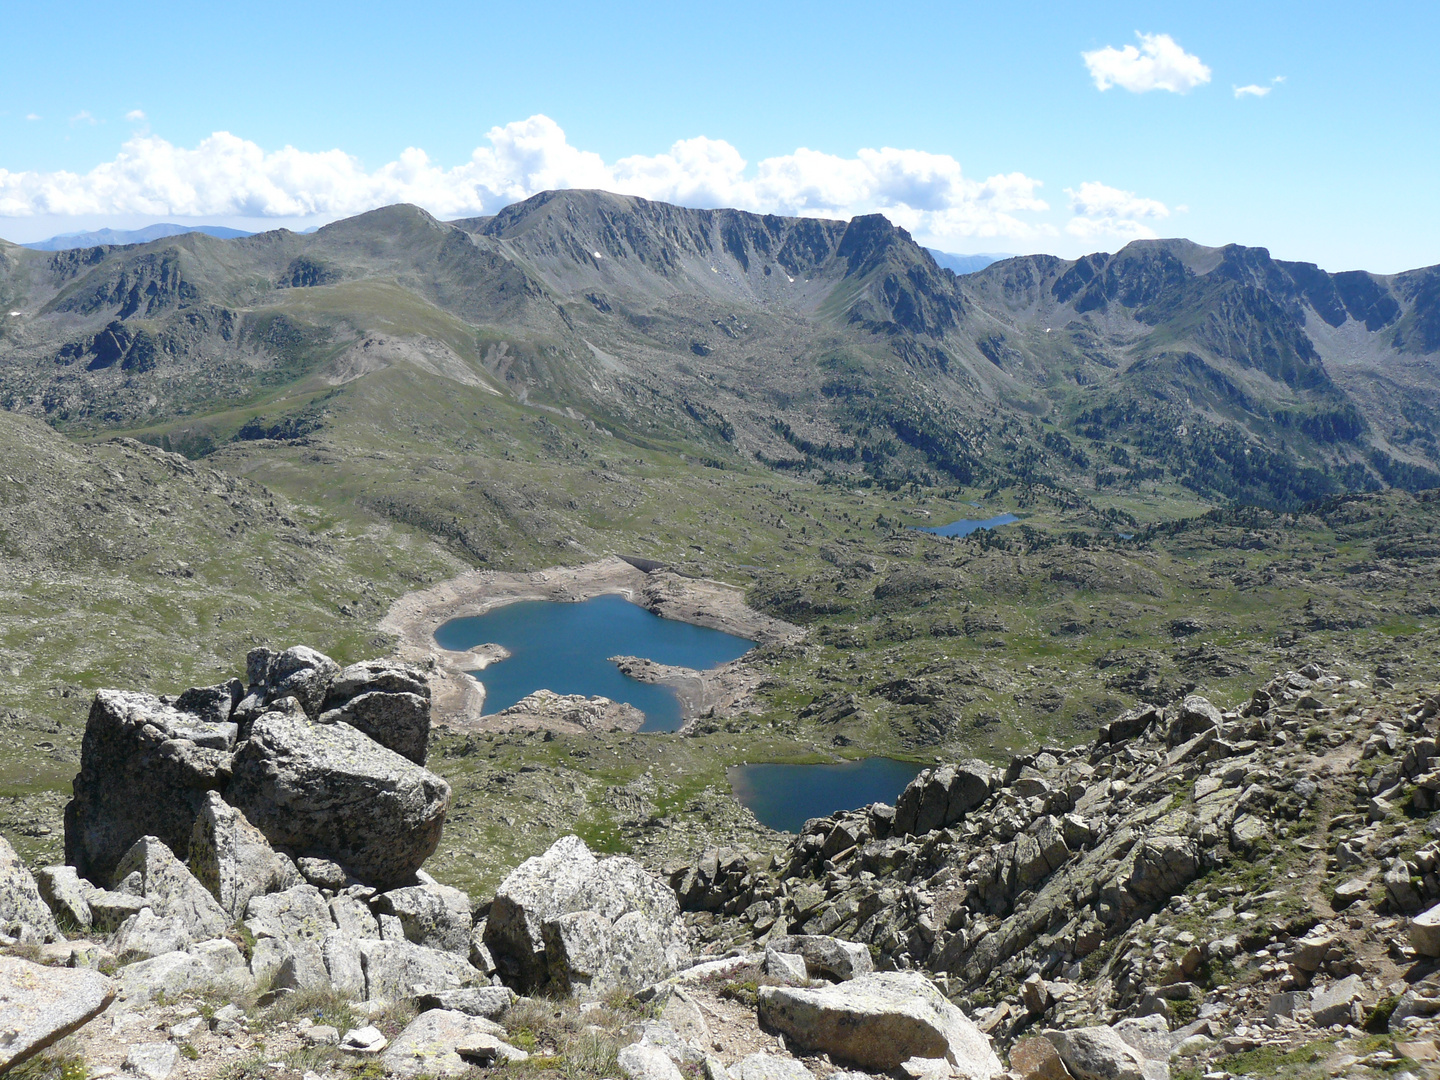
{"points": [[1158, 64], [225, 175], [84, 116], [32, 116], [1101, 210], [135, 116]]}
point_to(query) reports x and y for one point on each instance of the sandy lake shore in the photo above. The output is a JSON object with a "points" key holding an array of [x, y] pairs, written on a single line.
{"points": [[458, 700]]}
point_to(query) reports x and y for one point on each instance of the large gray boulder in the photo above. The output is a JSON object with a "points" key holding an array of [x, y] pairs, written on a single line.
{"points": [[826, 957], [23, 912], [145, 935], [41, 1005], [1335, 1004], [209, 965], [400, 722], [144, 770], [290, 928], [326, 790], [427, 1045], [1100, 1053], [879, 1021], [393, 970], [569, 921], [942, 796], [434, 915], [388, 701], [487, 1001], [67, 894], [212, 704], [1425, 932], [150, 870], [371, 676], [232, 858]]}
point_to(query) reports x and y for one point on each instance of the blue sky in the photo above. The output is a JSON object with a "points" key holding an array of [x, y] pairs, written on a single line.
{"points": [[1003, 139]]}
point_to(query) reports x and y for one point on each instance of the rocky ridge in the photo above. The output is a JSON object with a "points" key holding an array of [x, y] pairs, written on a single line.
{"points": [[1241, 880]]}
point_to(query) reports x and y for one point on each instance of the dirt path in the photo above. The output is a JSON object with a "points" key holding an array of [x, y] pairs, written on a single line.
{"points": [[459, 700]]}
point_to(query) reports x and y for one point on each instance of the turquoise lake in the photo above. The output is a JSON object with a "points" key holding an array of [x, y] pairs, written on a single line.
{"points": [[965, 528], [565, 648], [784, 797]]}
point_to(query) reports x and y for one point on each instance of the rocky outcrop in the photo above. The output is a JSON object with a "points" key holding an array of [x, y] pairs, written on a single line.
{"points": [[144, 770], [942, 796], [41, 1005], [569, 921], [24, 915], [328, 790], [880, 1021], [67, 894]]}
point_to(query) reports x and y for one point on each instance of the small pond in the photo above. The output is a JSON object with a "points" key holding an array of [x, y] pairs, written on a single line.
{"points": [[784, 797], [565, 648], [965, 528]]}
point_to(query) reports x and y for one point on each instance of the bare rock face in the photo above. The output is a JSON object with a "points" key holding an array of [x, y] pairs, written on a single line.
{"points": [[1425, 932], [371, 676], [329, 791], [215, 965], [940, 797], [23, 913], [290, 928], [144, 770], [579, 924], [880, 1021], [393, 970], [212, 704], [232, 858], [41, 1005], [400, 722], [299, 672], [427, 1046], [827, 957], [150, 870]]}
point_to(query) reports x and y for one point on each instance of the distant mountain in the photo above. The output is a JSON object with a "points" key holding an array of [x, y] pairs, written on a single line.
{"points": [[69, 241], [967, 264], [824, 347]]}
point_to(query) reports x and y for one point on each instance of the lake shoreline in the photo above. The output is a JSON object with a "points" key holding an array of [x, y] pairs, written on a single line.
{"points": [[459, 700]]}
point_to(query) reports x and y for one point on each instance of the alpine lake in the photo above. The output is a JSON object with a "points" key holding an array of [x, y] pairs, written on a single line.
{"points": [[566, 648]]}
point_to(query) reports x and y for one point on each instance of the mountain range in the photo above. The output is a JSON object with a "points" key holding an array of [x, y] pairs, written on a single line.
{"points": [[99, 237], [829, 348]]}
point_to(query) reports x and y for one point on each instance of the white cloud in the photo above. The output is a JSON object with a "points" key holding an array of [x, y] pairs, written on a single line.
{"points": [[32, 116], [1101, 210], [1257, 90], [1158, 64], [84, 116], [136, 116], [225, 175]]}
